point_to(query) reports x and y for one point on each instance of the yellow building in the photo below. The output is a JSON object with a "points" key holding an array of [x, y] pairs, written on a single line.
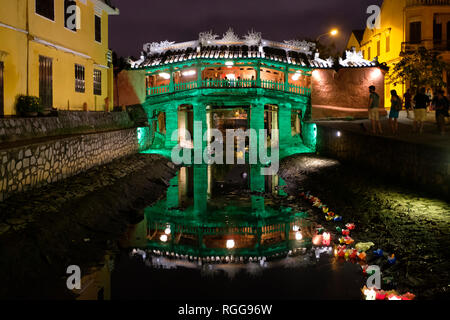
{"points": [[56, 50], [405, 25]]}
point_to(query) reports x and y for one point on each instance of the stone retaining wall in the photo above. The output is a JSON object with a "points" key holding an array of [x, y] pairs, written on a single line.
{"points": [[67, 122], [426, 167], [26, 167]]}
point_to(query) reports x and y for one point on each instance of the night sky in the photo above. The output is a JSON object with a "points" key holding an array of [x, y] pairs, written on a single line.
{"points": [[143, 21]]}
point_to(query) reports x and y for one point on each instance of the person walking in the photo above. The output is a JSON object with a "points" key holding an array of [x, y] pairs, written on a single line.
{"points": [[374, 112], [396, 106], [408, 97], [420, 109], [441, 105]]}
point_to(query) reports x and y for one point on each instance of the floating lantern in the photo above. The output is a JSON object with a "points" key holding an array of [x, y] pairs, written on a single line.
{"points": [[392, 259], [337, 218], [362, 255], [317, 240], [167, 231], [353, 254], [295, 228], [338, 229], [380, 295], [328, 218], [378, 253], [326, 239], [325, 209], [350, 226], [348, 240], [394, 297], [345, 232]]}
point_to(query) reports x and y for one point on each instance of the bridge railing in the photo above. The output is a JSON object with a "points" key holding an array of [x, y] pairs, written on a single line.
{"points": [[232, 84]]}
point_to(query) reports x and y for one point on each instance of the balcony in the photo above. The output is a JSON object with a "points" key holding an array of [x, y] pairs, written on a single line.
{"points": [[435, 45], [229, 84], [415, 3]]}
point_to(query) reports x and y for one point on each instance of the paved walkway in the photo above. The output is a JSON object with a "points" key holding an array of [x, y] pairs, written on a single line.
{"points": [[430, 135]]}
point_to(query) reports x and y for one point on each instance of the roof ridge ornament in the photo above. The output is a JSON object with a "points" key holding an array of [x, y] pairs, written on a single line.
{"points": [[353, 57], [304, 46], [207, 37], [157, 47], [253, 38], [230, 36]]}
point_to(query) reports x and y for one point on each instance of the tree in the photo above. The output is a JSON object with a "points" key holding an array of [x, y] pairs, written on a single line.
{"points": [[119, 63], [421, 68]]}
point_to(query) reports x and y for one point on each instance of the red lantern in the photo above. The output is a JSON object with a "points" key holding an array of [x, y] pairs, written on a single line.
{"points": [[326, 239]]}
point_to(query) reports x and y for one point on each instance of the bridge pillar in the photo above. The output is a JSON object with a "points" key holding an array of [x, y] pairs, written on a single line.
{"points": [[256, 123], [171, 125], [284, 116]]}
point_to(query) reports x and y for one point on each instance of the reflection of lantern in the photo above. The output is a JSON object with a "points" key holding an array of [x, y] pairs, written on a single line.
{"points": [[326, 239], [163, 238], [230, 244], [295, 228], [167, 231], [298, 236]]}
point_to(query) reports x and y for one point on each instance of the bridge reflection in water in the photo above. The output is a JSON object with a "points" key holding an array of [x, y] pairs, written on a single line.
{"points": [[225, 213]]}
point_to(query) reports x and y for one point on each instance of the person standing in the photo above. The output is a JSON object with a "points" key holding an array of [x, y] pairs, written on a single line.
{"points": [[396, 106], [441, 105], [374, 112], [407, 97], [420, 109]]}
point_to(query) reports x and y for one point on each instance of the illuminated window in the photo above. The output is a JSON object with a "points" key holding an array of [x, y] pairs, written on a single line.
{"points": [[388, 43], [79, 78], [378, 48], [46, 8], [369, 56]]}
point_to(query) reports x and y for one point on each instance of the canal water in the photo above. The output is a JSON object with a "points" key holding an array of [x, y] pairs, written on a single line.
{"points": [[226, 232]]}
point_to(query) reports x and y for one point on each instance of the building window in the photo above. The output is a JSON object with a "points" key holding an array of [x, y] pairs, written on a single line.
{"points": [[46, 81], [2, 105], [378, 48], [46, 8], [98, 82], [415, 32], [70, 12], [79, 78], [369, 54], [364, 53], [98, 29], [437, 32], [388, 43]]}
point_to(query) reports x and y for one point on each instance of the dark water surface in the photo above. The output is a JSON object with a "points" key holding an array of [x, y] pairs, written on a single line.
{"points": [[221, 233]]}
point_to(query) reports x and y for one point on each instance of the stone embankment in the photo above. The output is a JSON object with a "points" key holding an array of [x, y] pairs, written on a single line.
{"points": [[409, 223], [31, 163], [74, 222]]}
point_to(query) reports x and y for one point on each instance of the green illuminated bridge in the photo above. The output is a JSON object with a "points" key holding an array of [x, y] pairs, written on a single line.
{"points": [[228, 86], [232, 83]]}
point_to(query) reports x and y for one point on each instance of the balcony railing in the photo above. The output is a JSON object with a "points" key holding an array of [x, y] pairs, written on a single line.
{"points": [[436, 45], [229, 84], [411, 3]]}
